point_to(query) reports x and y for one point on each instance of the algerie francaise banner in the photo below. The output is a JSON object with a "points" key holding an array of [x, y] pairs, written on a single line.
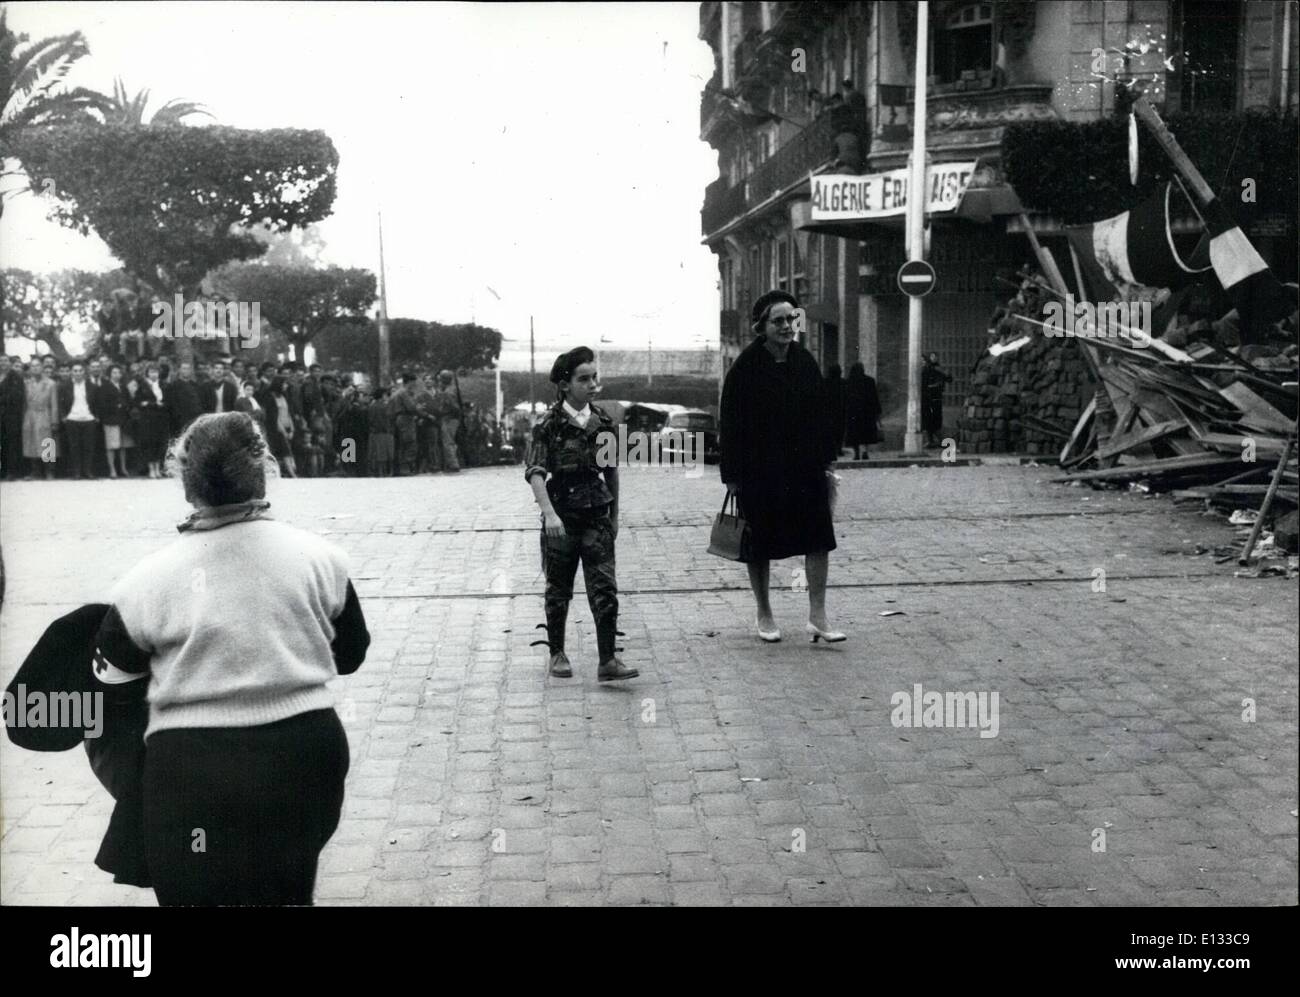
{"points": [[838, 197]]}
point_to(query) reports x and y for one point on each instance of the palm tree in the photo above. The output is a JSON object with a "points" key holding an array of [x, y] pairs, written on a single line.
{"points": [[32, 92], [122, 109]]}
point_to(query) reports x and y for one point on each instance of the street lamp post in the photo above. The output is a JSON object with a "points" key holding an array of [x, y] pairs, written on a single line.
{"points": [[912, 440]]}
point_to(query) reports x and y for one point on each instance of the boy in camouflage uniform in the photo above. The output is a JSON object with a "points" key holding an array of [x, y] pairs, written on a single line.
{"points": [[579, 502]]}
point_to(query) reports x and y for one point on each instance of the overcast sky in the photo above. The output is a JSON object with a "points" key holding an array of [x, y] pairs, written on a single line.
{"points": [[547, 152]]}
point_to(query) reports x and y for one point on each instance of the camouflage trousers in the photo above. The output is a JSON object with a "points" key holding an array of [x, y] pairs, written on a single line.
{"points": [[589, 538]]}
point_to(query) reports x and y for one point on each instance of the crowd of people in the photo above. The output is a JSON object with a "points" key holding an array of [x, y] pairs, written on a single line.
{"points": [[97, 418]]}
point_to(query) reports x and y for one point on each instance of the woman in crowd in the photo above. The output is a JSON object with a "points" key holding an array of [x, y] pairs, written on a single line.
{"points": [[862, 411], [111, 407], [247, 402], [778, 445], [243, 744], [578, 497], [40, 420], [280, 423], [152, 432]]}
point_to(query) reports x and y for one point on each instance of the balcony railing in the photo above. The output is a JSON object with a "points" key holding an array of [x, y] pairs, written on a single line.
{"points": [[721, 204], [804, 153]]}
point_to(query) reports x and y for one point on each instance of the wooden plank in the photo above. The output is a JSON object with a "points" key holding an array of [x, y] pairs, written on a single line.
{"points": [[1079, 427], [1256, 413], [1155, 468], [1119, 444], [1265, 446]]}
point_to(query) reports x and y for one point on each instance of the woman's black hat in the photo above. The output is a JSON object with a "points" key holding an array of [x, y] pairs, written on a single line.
{"points": [[761, 306]]}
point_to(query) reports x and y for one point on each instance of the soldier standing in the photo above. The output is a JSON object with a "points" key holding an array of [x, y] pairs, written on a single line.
{"points": [[579, 502]]}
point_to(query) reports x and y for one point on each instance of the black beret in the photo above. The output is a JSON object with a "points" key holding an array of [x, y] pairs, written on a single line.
{"points": [[566, 363], [767, 301]]}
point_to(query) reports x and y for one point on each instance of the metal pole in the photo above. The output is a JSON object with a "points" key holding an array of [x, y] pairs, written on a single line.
{"points": [[913, 442], [649, 362], [383, 310], [532, 372]]}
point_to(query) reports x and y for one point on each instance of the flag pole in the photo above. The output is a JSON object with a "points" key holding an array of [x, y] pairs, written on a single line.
{"points": [[383, 310], [1165, 139]]}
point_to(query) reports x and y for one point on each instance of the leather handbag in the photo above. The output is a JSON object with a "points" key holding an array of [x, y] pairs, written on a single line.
{"points": [[730, 536]]}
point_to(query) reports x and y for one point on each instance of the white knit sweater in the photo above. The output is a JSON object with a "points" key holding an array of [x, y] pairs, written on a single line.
{"points": [[237, 621]]}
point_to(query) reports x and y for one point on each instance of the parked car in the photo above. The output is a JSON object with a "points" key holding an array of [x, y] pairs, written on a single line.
{"points": [[700, 426]]}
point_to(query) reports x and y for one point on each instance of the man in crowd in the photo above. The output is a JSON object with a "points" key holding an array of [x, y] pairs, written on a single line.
{"points": [[221, 390], [447, 408], [181, 399], [13, 402], [79, 424]]}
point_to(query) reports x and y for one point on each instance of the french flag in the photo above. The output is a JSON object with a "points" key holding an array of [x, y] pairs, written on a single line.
{"points": [[1135, 247]]}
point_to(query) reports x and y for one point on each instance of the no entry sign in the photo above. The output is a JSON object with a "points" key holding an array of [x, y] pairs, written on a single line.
{"points": [[916, 278]]}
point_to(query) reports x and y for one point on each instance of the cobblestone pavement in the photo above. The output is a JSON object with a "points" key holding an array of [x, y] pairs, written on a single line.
{"points": [[733, 771]]}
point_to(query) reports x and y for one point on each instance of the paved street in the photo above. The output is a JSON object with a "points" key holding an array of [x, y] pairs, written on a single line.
{"points": [[733, 772]]}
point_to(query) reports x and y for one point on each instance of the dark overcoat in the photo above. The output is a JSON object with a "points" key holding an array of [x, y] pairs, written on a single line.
{"points": [[777, 439]]}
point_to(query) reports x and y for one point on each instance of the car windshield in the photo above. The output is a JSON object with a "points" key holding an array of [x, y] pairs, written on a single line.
{"points": [[691, 420]]}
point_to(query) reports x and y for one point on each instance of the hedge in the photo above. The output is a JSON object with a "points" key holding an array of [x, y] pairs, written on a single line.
{"points": [[1078, 171]]}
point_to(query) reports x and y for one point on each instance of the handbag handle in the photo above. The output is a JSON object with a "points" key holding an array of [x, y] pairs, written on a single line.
{"points": [[729, 499]]}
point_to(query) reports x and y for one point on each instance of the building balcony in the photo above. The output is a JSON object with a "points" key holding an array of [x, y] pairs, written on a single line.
{"points": [[811, 149]]}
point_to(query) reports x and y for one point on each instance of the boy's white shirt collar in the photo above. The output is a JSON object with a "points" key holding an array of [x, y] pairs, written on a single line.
{"points": [[579, 417]]}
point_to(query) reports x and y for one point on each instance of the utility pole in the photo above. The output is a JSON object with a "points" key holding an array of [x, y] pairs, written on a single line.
{"points": [[532, 372], [913, 443], [383, 309], [649, 362]]}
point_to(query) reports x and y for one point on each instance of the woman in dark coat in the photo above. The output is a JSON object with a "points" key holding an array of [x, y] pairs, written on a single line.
{"points": [[778, 444], [862, 411], [151, 434], [835, 399]]}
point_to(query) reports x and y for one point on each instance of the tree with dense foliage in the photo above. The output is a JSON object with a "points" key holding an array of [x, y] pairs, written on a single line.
{"points": [[432, 345], [299, 301], [174, 203], [43, 307]]}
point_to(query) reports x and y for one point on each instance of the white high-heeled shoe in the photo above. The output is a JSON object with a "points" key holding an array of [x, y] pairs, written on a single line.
{"points": [[817, 633], [767, 636]]}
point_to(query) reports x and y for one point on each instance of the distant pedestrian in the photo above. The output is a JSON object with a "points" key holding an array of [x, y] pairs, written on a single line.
{"points": [[933, 378], [111, 408], [243, 746], [778, 445], [579, 502], [862, 411], [835, 401]]}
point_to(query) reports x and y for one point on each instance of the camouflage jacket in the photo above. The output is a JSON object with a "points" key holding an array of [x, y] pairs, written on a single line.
{"points": [[567, 453]]}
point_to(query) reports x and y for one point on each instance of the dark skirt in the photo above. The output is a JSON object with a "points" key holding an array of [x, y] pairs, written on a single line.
{"points": [[239, 815], [151, 434], [788, 515]]}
